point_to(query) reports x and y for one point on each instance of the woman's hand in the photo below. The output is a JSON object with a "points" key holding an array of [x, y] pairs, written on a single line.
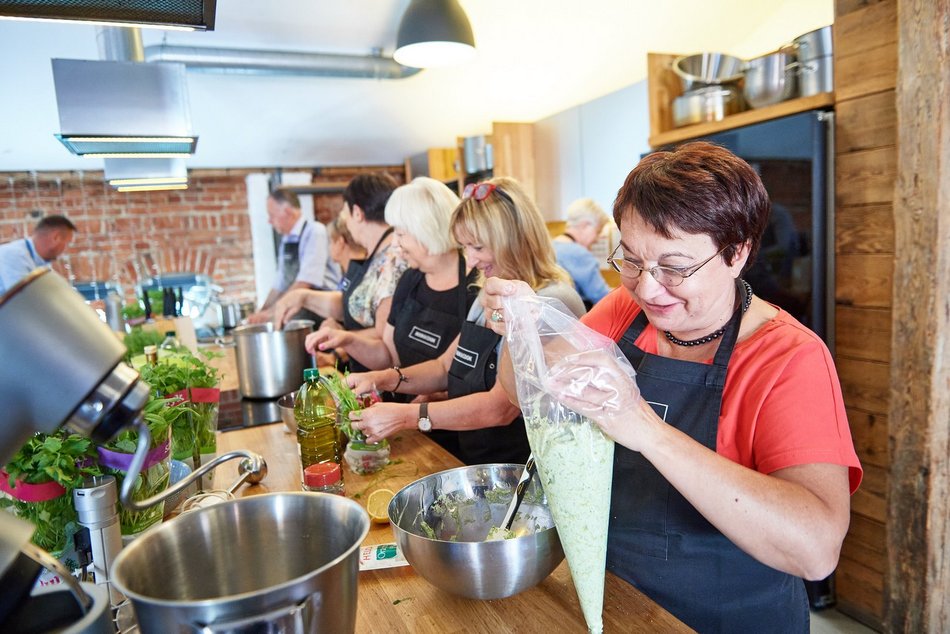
{"points": [[382, 420], [594, 384], [366, 382], [494, 291], [326, 338], [289, 304]]}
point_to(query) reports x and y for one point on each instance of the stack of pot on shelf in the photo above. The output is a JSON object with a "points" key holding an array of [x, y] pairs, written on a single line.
{"points": [[717, 85]]}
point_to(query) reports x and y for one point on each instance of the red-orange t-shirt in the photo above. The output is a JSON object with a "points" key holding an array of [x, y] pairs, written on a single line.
{"points": [[781, 405]]}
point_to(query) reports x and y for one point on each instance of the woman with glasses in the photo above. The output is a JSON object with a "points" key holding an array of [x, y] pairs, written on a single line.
{"points": [[734, 462], [502, 234], [362, 307]]}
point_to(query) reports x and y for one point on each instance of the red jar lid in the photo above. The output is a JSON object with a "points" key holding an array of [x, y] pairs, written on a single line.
{"points": [[321, 474]]}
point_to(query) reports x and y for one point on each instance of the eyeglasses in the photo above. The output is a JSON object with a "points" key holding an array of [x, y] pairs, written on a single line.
{"points": [[481, 191], [668, 276]]}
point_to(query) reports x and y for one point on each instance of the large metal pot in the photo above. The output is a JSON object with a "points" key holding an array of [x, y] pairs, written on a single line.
{"points": [[814, 44], [707, 69], [282, 562], [816, 75], [271, 362], [770, 78]]}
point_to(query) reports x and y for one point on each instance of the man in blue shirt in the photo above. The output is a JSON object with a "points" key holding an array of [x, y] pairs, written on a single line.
{"points": [[585, 221], [17, 258]]}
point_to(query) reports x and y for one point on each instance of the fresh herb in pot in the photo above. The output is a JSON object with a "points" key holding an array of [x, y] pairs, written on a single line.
{"points": [[64, 458], [158, 414]]}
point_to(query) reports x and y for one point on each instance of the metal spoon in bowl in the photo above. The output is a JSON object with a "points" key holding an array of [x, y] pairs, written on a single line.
{"points": [[520, 489]]}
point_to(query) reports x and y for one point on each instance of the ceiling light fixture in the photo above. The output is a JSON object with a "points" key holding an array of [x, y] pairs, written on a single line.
{"points": [[151, 188], [434, 33], [186, 15], [145, 171]]}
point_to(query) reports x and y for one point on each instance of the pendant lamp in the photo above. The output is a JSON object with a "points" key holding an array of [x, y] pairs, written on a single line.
{"points": [[434, 33]]}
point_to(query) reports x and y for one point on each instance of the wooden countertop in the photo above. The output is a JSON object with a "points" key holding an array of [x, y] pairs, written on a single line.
{"points": [[399, 600]]}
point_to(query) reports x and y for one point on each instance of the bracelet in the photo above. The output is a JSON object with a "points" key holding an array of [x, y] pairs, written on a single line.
{"points": [[402, 378]]}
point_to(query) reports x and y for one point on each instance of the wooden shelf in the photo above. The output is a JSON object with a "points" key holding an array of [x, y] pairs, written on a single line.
{"points": [[748, 117]]}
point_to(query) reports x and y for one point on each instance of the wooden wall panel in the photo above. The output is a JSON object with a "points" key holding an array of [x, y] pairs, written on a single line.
{"points": [[863, 31], [864, 228], [865, 177], [868, 535], [665, 86], [864, 280], [866, 122], [513, 146], [869, 432], [860, 592], [870, 500], [865, 384], [863, 333], [843, 7], [865, 73]]}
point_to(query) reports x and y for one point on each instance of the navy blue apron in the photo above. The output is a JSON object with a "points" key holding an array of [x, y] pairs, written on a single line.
{"points": [[355, 272], [473, 370], [422, 333], [660, 543], [289, 267]]}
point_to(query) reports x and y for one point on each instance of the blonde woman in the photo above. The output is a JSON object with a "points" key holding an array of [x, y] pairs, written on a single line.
{"points": [[502, 234]]}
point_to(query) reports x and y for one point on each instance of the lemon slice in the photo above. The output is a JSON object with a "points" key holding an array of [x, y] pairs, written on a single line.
{"points": [[377, 505]]}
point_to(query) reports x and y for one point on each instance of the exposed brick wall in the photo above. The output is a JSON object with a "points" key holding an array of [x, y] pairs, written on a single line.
{"points": [[130, 236], [127, 236]]}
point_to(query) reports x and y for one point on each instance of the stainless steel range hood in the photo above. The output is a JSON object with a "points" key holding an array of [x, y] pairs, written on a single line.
{"points": [[123, 109]]}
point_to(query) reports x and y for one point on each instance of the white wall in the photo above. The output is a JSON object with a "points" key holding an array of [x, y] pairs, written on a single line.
{"points": [[588, 150]]}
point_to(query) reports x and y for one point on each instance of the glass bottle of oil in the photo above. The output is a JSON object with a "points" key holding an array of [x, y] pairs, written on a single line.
{"points": [[315, 411]]}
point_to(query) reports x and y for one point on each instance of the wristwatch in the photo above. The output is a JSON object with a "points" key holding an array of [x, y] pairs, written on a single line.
{"points": [[424, 423]]}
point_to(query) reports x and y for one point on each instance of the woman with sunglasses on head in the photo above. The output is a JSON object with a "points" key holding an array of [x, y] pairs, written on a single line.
{"points": [[734, 465], [362, 307], [502, 234], [432, 297]]}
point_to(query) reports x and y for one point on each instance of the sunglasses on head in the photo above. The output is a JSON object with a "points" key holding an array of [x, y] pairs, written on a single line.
{"points": [[481, 191]]}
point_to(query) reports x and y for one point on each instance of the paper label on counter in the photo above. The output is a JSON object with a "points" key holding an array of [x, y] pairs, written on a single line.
{"points": [[381, 556]]}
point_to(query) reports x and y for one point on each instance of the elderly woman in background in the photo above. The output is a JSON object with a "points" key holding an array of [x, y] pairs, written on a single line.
{"points": [[368, 285], [733, 467], [585, 222], [502, 234]]}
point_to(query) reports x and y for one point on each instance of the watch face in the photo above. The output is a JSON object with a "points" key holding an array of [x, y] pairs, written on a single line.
{"points": [[425, 424]]}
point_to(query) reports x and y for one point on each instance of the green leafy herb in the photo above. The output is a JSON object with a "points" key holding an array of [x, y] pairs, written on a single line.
{"points": [[64, 458], [347, 401], [136, 340]]}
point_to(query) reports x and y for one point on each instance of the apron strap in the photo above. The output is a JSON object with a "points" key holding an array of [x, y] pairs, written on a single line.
{"points": [[462, 289]]}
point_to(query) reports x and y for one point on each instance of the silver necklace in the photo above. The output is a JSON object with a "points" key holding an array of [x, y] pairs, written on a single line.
{"points": [[746, 302]]}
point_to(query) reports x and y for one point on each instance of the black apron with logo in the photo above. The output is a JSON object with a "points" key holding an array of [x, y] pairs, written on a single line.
{"points": [[473, 370], [289, 268], [422, 333], [660, 543], [355, 272]]}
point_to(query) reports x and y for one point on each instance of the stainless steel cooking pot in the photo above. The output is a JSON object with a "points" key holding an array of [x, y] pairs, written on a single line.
{"points": [[710, 103], [814, 44], [816, 76], [271, 362], [770, 78], [282, 562], [230, 315]]}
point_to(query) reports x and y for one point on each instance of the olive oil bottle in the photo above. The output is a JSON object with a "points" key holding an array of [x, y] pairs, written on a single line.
{"points": [[315, 412]]}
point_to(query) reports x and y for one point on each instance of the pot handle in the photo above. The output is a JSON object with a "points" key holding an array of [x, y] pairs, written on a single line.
{"points": [[293, 619]]}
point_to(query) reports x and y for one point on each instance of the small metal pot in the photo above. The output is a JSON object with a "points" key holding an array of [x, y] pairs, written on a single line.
{"points": [[282, 562], [707, 69], [271, 362], [711, 103], [230, 315]]}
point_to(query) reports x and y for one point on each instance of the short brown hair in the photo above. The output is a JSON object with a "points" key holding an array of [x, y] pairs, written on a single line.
{"points": [[698, 188], [52, 223]]}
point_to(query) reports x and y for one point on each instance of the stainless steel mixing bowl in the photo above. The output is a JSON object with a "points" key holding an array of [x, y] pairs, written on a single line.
{"points": [[441, 523], [281, 562]]}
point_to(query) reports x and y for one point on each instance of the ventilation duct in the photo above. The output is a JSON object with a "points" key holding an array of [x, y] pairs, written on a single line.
{"points": [[243, 61], [188, 15], [115, 109]]}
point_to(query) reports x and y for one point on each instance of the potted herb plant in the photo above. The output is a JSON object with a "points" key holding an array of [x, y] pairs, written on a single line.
{"points": [[360, 456], [40, 479], [116, 456], [181, 375]]}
